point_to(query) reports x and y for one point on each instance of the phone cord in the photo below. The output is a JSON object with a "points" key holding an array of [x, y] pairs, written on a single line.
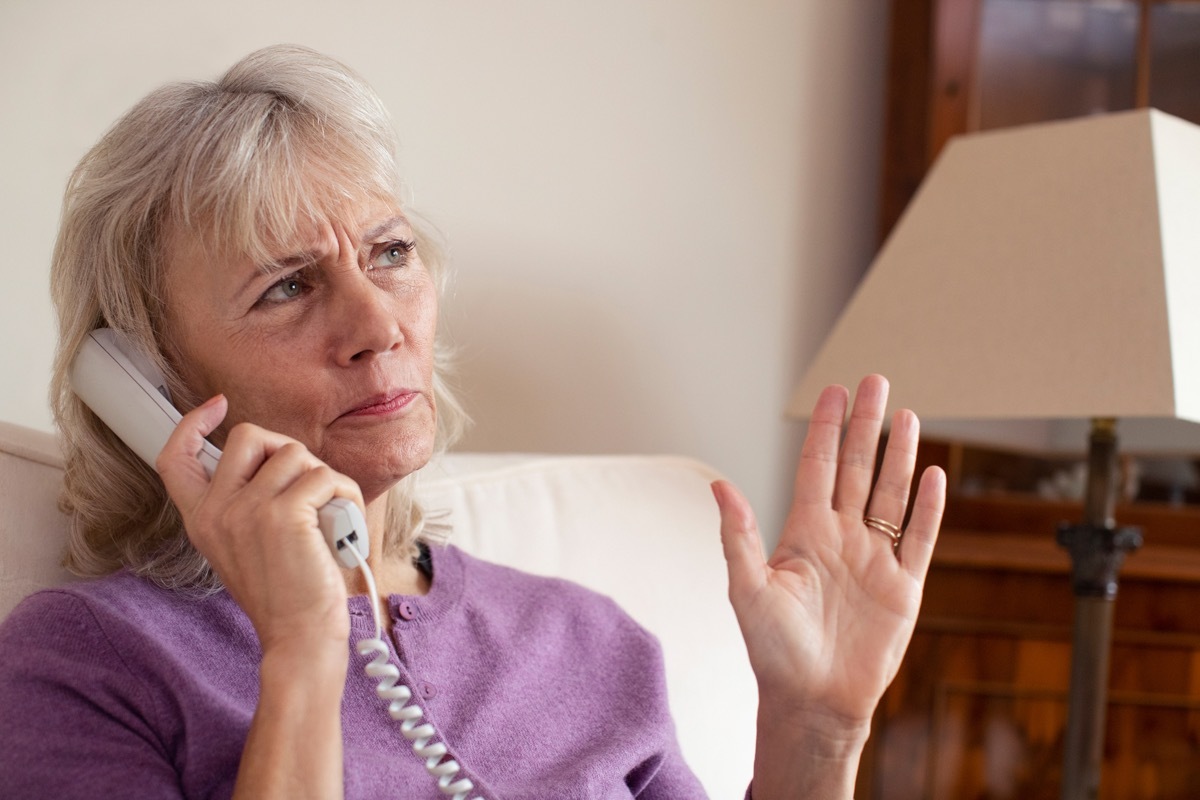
{"points": [[397, 696]]}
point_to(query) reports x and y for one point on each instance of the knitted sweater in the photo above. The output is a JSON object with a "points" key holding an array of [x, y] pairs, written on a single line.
{"points": [[540, 689]]}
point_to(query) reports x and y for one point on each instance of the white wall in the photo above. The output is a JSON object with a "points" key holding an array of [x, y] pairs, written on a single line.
{"points": [[655, 207]]}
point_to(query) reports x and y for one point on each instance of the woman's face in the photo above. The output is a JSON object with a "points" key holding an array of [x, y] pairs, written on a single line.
{"points": [[332, 346]]}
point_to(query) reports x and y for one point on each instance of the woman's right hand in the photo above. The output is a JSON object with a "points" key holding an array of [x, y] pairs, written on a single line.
{"points": [[256, 522]]}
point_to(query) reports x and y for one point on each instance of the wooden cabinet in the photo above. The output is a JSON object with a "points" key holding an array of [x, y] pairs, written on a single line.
{"points": [[966, 65], [978, 709]]}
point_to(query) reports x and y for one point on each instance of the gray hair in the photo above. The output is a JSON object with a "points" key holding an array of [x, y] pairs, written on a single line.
{"points": [[234, 162]]}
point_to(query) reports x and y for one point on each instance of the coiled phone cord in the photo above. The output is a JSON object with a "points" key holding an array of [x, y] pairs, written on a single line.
{"points": [[397, 696]]}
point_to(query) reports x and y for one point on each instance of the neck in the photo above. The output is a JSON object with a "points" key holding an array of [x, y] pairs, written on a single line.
{"points": [[394, 574]]}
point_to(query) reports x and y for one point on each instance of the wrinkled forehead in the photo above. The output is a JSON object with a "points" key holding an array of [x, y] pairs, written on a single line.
{"points": [[280, 200], [271, 229]]}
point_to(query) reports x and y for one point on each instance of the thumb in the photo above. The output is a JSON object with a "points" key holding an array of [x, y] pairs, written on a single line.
{"points": [[741, 542], [177, 464]]}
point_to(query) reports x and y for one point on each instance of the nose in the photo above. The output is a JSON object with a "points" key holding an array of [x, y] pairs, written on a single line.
{"points": [[365, 324]]}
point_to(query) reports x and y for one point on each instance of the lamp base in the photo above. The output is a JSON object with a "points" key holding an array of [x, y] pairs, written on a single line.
{"points": [[1096, 556]]}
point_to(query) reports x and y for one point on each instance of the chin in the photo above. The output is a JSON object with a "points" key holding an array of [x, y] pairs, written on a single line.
{"points": [[378, 466]]}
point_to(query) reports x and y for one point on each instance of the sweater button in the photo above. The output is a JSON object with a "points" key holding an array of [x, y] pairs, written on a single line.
{"points": [[428, 690], [407, 610]]}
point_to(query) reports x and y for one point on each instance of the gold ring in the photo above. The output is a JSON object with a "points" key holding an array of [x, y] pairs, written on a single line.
{"points": [[882, 525]]}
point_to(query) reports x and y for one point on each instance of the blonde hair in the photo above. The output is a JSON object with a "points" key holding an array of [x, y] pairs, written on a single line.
{"points": [[236, 163]]}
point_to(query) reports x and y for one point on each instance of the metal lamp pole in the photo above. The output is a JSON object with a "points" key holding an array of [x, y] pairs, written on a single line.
{"points": [[1097, 549]]}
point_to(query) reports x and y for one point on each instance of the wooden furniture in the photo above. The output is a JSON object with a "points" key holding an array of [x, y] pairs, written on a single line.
{"points": [[979, 708], [966, 65]]}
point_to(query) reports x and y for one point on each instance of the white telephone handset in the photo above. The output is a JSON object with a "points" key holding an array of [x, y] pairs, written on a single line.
{"points": [[125, 390]]}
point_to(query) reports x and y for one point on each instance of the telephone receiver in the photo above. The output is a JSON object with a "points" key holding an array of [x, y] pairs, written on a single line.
{"points": [[124, 389]]}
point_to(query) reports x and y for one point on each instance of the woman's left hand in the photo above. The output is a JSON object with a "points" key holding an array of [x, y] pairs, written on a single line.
{"points": [[828, 617]]}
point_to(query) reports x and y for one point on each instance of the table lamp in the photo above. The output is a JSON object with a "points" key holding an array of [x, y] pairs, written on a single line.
{"points": [[1049, 275]]}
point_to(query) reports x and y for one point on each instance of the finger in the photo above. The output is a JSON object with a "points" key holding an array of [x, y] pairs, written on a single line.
{"points": [[916, 548], [247, 448], [856, 464], [182, 473], [817, 472], [323, 483], [889, 498], [279, 471], [740, 541]]}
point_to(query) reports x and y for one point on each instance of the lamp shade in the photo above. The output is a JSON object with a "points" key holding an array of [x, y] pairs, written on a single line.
{"points": [[1044, 273]]}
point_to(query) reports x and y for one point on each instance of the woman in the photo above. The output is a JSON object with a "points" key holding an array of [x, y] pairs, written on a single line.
{"points": [[245, 235]]}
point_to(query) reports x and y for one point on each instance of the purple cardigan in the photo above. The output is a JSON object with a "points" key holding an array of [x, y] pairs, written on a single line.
{"points": [[540, 689]]}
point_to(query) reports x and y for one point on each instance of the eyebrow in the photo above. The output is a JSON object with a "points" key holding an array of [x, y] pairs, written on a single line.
{"points": [[384, 227], [304, 258]]}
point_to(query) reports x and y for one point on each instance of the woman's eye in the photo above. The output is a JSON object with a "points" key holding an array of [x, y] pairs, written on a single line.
{"points": [[393, 254], [286, 289]]}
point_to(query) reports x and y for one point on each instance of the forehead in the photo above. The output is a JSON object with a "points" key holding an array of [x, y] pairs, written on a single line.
{"points": [[360, 222], [263, 240]]}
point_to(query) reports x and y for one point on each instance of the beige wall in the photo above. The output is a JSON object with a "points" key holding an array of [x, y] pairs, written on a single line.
{"points": [[654, 207]]}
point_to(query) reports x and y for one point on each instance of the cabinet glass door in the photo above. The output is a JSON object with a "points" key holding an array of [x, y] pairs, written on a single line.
{"points": [[1175, 59], [1053, 59]]}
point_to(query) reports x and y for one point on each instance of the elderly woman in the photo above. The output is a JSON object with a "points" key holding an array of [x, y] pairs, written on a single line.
{"points": [[245, 236]]}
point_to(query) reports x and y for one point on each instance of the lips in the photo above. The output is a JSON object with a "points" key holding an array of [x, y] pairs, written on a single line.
{"points": [[385, 403]]}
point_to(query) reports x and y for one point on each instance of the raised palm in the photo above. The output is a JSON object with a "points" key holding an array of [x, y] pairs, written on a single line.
{"points": [[828, 616]]}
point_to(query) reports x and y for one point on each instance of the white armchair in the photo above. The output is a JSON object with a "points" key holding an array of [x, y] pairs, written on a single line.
{"points": [[641, 529]]}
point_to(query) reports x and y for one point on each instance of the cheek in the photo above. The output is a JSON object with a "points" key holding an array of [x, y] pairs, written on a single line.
{"points": [[270, 392], [249, 377], [198, 377], [427, 316]]}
